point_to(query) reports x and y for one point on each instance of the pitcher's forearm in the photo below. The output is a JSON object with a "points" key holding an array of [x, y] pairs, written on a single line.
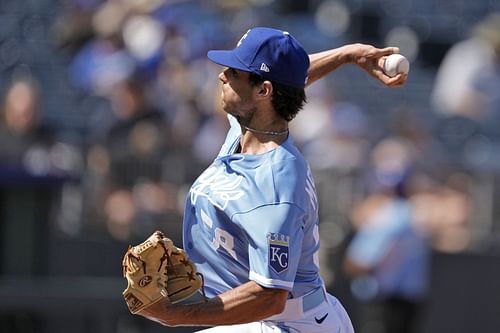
{"points": [[247, 303], [325, 62], [366, 57]]}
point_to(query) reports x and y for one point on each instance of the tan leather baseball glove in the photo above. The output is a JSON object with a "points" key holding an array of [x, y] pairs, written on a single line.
{"points": [[157, 269]]}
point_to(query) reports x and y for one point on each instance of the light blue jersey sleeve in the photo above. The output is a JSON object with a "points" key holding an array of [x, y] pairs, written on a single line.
{"points": [[275, 233]]}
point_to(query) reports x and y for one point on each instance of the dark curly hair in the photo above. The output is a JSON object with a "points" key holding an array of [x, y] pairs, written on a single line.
{"points": [[287, 101]]}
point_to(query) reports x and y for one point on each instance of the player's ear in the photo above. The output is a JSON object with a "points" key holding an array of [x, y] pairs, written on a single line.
{"points": [[265, 89]]}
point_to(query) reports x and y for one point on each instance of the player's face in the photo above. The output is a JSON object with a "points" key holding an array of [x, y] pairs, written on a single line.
{"points": [[237, 93]]}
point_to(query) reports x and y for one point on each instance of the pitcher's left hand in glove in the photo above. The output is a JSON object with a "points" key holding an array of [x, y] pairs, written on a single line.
{"points": [[157, 269]]}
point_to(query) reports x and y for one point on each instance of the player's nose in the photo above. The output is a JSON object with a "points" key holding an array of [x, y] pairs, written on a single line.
{"points": [[222, 77]]}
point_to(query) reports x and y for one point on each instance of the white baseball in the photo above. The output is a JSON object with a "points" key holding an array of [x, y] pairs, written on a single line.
{"points": [[395, 64]]}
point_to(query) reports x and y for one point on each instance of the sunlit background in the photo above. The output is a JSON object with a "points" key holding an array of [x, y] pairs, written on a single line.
{"points": [[109, 110]]}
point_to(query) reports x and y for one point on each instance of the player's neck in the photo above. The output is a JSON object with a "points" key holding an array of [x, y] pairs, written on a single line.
{"points": [[266, 132], [261, 138]]}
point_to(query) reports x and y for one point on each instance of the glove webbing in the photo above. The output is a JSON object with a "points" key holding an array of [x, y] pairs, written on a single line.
{"points": [[162, 259], [190, 276]]}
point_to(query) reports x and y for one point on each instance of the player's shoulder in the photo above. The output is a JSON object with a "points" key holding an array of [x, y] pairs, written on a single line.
{"points": [[288, 160], [289, 170]]}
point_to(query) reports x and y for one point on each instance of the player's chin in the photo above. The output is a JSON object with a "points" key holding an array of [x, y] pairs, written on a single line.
{"points": [[228, 108], [224, 106], [223, 93]]}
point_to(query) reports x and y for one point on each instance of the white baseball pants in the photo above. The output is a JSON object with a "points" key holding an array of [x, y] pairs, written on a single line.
{"points": [[328, 317]]}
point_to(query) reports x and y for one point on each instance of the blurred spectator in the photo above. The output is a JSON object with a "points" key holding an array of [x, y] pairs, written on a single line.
{"points": [[327, 125], [25, 144], [455, 91], [102, 59], [444, 211], [192, 109], [388, 258], [466, 95], [131, 160], [73, 28]]}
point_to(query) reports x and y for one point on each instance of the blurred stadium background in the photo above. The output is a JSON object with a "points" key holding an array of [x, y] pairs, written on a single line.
{"points": [[109, 110]]}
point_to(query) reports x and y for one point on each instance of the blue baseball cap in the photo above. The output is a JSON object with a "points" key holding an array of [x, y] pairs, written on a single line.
{"points": [[274, 54]]}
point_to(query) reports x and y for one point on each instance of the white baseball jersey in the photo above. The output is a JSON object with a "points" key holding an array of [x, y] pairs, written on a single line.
{"points": [[254, 217]]}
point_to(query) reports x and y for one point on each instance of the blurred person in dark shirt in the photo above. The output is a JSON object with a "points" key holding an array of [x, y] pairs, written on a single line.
{"points": [[138, 137], [24, 142], [137, 188]]}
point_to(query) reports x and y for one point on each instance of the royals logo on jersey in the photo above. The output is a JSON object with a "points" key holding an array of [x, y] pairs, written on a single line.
{"points": [[278, 251], [217, 186]]}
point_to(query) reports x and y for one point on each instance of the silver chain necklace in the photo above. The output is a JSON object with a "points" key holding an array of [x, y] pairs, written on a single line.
{"points": [[253, 130]]}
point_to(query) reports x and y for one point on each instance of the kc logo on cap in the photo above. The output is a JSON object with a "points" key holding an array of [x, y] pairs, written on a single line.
{"points": [[274, 54]]}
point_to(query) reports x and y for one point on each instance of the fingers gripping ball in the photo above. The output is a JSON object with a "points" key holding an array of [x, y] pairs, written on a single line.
{"points": [[396, 64], [156, 269]]}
